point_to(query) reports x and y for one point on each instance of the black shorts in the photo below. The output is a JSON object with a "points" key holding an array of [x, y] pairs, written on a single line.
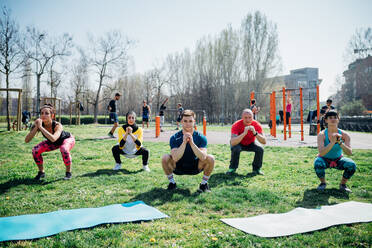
{"points": [[145, 119], [187, 168], [179, 119]]}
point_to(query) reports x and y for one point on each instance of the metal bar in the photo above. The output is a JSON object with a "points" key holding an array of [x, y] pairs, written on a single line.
{"points": [[317, 109], [284, 116]]}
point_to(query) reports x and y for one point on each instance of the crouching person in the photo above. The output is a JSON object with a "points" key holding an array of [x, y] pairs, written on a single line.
{"points": [[188, 154]]}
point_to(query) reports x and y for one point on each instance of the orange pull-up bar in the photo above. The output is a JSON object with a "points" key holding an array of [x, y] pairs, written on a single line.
{"points": [[252, 96]]}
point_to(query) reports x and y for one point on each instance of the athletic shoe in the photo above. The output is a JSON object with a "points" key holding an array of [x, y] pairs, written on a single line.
{"points": [[344, 188], [322, 186], [111, 135], [146, 168], [40, 175], [117, 166], [68, 176], [230, 171], [204, 188], [258, 172], [172, 186]]}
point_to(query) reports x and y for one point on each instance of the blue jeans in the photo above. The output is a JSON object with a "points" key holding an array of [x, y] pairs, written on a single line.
{"points": [[345, 164], [114, 117]]}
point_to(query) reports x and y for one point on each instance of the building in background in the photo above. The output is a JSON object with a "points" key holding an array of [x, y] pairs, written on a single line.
{"points": [[358, 82], [308, 79]]}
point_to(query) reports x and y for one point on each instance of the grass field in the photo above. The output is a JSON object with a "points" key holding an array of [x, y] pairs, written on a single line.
{"points": [[289, 182]]}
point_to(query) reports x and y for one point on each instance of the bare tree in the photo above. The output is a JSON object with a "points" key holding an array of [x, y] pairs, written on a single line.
{"points": [[79, 80], [357, 84], [107, 53], [159, 78], [54, 78], [43, 50], [260, 54], [27, 86], [359, 46], [11, 57]]}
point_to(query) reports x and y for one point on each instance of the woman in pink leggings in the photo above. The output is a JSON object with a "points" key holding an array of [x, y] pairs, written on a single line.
{"points": [[55, 138]]}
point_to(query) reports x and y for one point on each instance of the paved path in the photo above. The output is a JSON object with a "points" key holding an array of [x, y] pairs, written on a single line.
{"points": [[359, 140]]}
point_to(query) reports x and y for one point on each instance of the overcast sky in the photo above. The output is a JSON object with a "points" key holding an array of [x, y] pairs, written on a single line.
{"points": [[311, 33]]}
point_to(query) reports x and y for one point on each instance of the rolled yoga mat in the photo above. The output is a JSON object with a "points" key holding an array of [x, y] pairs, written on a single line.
{"points": [[33, 226]]}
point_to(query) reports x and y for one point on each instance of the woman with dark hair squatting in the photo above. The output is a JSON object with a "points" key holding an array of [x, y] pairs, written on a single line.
{"points": [[55, 138], [130, 138], [331, 143]]}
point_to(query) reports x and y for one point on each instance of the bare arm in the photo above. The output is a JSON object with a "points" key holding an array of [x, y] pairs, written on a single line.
{"points": [[31, 134], [236, 139], [201, 153], [346, 146], [177, 153], [321, 148], [52, 137], [261, 138]]}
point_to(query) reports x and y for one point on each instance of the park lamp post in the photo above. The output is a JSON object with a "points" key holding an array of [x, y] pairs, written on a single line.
{"points": [[41, 36]]}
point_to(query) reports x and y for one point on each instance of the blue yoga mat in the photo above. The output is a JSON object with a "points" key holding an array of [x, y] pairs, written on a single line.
{"points": [[33, 226]]}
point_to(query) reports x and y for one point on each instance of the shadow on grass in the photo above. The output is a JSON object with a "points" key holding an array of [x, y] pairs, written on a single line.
{"points": [[109, 172], [313, 198], [227, 179], [159, 196], [96, 138], [4, 187]]}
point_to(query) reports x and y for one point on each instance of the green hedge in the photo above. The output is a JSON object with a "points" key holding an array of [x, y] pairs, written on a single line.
{"points": [[84, 119]]}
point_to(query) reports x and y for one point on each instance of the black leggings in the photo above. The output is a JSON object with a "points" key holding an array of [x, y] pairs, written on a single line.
{"points": [[116, 151]]}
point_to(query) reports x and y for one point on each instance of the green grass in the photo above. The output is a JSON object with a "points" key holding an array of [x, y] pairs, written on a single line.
{"points": [[289, 182]]}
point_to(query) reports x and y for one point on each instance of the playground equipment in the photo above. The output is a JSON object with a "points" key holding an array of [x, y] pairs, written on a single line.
{"points": [[157, 125], [287, 93], [18, 123], [78, 108]]}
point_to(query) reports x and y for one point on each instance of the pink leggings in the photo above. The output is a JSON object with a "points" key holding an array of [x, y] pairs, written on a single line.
{"points": [[46, 146]]}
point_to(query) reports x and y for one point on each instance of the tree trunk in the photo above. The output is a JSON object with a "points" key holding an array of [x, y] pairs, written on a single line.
{"points": [[38, 76], [7, 100], [96, 102]]}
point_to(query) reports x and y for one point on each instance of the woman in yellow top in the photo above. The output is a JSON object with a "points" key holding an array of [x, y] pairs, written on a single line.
{"points": [[130, 138]]}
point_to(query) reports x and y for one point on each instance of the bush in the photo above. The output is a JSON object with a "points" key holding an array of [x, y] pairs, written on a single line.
{"points": [[354, 108], [84, 119]]}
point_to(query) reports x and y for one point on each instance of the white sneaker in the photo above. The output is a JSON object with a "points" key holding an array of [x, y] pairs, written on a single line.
{"points": [[146, 168], [117, 167]]}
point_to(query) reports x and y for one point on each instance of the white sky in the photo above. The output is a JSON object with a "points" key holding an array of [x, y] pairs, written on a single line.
{"points": [[312, 33]]}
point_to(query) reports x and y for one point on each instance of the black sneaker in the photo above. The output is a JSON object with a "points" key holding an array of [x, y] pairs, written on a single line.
{"points": [[40, 175], [344, 188], [322, 186], [68, 176], [204, 188], [172, 186]]}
